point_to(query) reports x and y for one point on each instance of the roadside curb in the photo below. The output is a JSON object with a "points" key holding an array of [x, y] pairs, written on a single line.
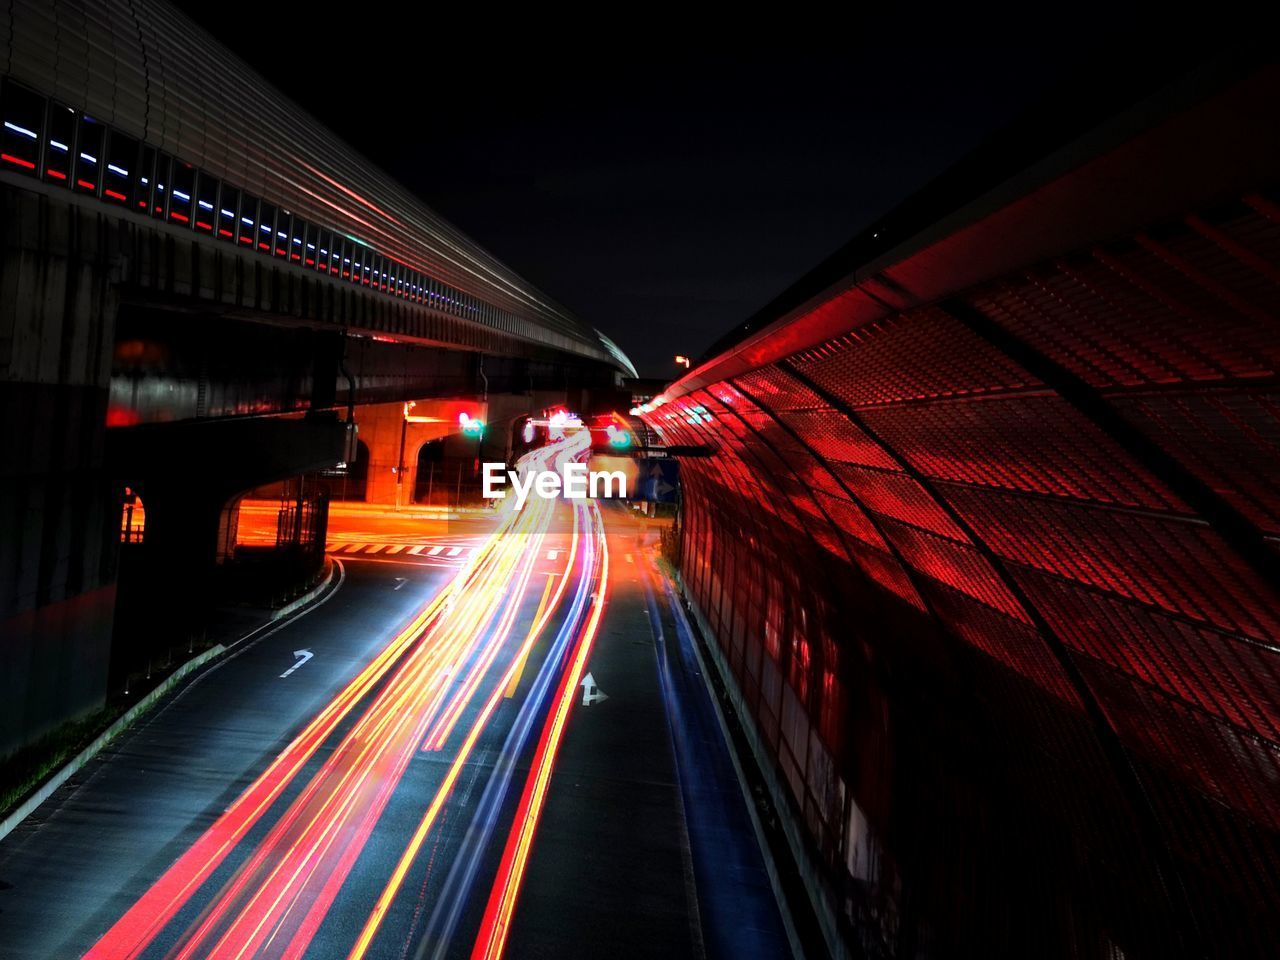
{"points": [[47, 789], [813, 935], [307, 597]]}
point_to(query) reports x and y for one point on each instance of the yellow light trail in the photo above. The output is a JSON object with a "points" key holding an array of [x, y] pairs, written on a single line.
{"points": [[396, 880], [493, 932]]}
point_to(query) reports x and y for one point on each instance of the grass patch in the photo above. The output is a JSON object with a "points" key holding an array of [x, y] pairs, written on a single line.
{"points": [[21, 773]]}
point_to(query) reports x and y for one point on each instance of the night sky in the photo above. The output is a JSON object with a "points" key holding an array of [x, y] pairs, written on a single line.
{"points": [[665, 179]]}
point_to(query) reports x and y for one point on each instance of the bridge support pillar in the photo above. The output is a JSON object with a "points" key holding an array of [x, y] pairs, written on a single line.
{"points": [[57, 514], [188, 474]]}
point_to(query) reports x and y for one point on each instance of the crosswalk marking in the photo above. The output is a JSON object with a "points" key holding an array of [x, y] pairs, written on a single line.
{"points": [[366, 548]]}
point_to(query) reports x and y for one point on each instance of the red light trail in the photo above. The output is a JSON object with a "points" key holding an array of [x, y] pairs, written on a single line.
{"points": [[455, 660]]}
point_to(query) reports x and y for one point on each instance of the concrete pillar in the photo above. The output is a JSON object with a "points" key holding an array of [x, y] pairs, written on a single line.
{"points": [[58, 514]]}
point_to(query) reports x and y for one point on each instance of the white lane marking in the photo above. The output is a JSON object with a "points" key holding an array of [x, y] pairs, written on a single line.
{"points": [[375, 548], [305, 655], [552, 554], [395, 548], [417, 551], [453, 551], [402, 582], [590, 692], [434, 551]]}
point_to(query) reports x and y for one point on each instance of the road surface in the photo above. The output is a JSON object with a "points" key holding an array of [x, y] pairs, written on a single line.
{"points": [[381, 776]]}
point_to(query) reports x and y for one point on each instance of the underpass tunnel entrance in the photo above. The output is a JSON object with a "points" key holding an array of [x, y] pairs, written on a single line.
{"points": [[447, 471], [133, 517], [197, 551], [430, 471]]}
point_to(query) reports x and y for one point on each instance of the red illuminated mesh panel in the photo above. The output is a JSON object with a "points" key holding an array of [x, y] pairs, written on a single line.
{"points": [[921, 355], [1193, 748], [1230, 440], [1233, 332], [774, 470], [757, 459], [1033, 443], [835, 437], [853, 522], [881, 567], [1234, 256], [1013, 644], [816, 525], [776, 389], [957, 565], [774, 435], [1234, 679], [1175, 564], [850, 518], [799, 458], [815, 474], [1117, 321], [898, 496]]}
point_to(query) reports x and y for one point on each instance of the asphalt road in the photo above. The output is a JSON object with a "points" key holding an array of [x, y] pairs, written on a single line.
{"points": [[477, 759]]}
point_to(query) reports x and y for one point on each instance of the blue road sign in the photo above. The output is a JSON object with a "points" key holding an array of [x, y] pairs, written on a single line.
{"points": [[658, 481]]}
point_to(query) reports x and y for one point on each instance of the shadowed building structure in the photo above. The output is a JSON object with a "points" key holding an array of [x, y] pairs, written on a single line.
{"points": [[183, 254]]}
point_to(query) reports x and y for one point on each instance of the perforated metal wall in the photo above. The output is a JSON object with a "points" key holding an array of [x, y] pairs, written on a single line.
{"points": [[997, 580]]}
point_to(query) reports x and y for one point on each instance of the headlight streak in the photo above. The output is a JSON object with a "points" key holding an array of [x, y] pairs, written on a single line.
{"points": [[132, 933], [453, 897], [341, 783], [357, 781], [462, 873], [444, 726], [135, 930], [496, 924], [274, 902]]}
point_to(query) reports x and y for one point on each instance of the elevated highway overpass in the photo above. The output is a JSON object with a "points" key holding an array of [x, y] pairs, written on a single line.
{"points": [[183, 253]]}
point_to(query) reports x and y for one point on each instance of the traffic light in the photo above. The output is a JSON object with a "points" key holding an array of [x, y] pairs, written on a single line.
{"points": [[618, 439], [471, 426]]}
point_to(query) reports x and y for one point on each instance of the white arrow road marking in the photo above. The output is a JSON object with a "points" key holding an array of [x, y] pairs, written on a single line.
{"points": [[590, 692], [305, 655]]}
